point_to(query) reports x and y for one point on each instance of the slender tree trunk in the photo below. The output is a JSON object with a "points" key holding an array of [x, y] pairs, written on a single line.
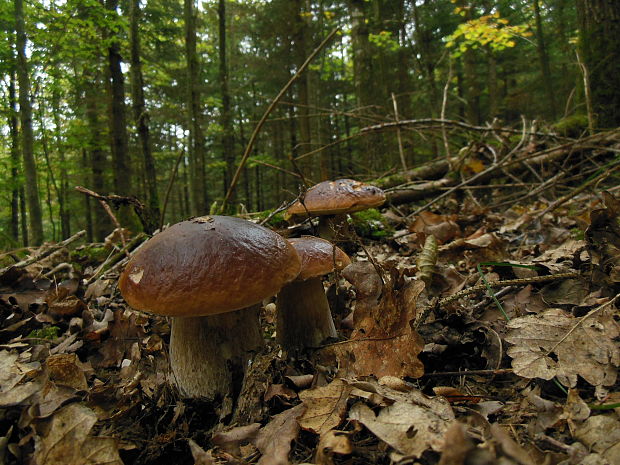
{"points": [[15, 183], [492, 84], [196, 148], [228, 140], [86, 199], [141, 116], [98, 165], [543, 56], [362, 59], [35, 216], [23, 216], [118, 122], [598, 40], [63, 183]]}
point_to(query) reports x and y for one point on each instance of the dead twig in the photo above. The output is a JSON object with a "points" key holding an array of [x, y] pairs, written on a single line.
{"points": [[272, 105], [53, 248]]}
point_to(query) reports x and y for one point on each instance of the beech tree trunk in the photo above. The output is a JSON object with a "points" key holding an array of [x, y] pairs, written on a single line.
{"points": [[14, 158], [25, 112], [598, 40]]}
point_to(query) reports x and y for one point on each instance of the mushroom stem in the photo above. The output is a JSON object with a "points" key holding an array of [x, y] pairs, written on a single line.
{"points": [[334, 228], [208, 354], [303, 316]]}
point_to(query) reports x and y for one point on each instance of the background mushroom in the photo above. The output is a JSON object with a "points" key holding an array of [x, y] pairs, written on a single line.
{"points": [[331, 201], [304, 318], [208, 274]]}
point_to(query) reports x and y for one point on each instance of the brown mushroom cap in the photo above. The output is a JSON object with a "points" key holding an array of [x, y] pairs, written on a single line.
{"points": [[318, 257], [336, 197], [208, 265]]}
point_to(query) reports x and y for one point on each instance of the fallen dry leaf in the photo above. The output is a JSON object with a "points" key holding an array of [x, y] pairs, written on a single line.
{"points": [[326, 406], [601, 433], [231, 440], [332, 442], [457, 446], [274, 439], [64, 439], [201, 457], [546, 345], [510, 447], [382, 321], [410, 429]]}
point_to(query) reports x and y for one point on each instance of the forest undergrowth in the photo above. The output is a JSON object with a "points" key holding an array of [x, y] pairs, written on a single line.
{"points": [[494, 342]]}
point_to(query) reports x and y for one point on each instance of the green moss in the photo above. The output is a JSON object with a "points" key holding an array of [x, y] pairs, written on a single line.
{"points": [[371, 223], [49, 332], [572, 126], [89, 253], [275, 221]]}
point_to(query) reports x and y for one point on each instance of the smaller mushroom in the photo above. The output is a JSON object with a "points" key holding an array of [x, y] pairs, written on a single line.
{"points": [[303, 315], [331, 201]]}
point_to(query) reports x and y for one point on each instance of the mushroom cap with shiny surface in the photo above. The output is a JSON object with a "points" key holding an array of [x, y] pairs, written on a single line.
{"points": [[337, 197], [208, 265], [318, 257]]}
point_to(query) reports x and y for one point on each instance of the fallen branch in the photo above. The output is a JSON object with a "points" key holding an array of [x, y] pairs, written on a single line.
{"points": [[47, 252]]}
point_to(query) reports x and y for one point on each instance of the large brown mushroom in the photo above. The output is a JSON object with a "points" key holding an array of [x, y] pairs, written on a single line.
{"points": [[209, 274], [304, 318], [331, 201]]}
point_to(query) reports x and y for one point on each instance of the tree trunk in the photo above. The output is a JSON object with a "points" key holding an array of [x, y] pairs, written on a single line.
{"points": [[118, 122], [195, 149], [543, 56], [98, 165], [598, 40], [141, 117], [25, 110], [228, 141], [15, 183]]}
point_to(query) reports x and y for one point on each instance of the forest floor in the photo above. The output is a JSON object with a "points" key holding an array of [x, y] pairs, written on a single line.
{"points": [[431, 368]]}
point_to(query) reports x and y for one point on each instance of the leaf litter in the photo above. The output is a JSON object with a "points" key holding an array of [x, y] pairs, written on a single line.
{"points": [[417, 377]]}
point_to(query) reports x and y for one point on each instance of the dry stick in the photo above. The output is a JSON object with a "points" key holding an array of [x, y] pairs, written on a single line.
{"points": [[464, 183], [562, 200], [114, 259], [483, 287], [169, 188], [579, 322], [272, 105], [587, 91], [102, 200], [497, 371], [447, 122], [444, 103], [401, 152], [45, 253]]}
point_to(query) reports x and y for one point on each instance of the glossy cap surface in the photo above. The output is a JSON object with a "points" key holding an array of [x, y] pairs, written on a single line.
{"points": [[336, 197], [208, 265], [318, 257]]}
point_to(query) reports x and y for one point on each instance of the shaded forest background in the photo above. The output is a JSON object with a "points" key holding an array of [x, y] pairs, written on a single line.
{"points": [[158, 99]]}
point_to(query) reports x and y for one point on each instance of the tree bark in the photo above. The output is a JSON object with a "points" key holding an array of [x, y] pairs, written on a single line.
{"points": [[543, 56], [228, 140], [14, 133], [25, 110], [598, 40], [141, 118], [196, 149], [98, 164], [118, 121]]}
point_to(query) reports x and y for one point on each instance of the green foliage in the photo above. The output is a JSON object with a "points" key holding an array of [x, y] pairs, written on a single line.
{"points": [[384, 40], [490, 31], [371, 223], [47, 332]]}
